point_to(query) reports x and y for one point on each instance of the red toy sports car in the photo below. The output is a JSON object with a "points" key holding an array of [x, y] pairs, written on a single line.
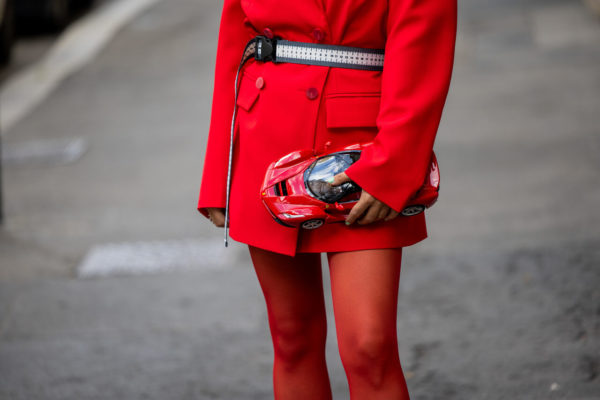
{"points": [[297, 192]]}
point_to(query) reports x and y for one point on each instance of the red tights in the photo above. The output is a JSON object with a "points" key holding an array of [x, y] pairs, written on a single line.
{"points": [[364, 288]]}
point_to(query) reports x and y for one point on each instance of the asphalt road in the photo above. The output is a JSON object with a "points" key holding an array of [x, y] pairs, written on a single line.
{"points": [[502, 301]]}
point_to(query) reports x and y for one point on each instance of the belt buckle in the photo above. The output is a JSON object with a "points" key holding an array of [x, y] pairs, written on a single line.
{"points": [[265, 48]]}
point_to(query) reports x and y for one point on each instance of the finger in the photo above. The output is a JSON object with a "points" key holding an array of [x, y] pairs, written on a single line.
{"points": [[221, 218], [340, 178], [371, 214], [393, 214], [217, 217], [219, 221], [358, 209], [383, 213]]}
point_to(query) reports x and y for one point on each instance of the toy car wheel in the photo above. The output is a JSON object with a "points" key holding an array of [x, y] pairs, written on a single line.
{"points": [[413, 210], [312, 223]]}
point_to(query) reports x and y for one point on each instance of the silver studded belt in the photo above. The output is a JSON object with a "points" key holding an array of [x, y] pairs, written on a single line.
{"points": [[278, 50]]}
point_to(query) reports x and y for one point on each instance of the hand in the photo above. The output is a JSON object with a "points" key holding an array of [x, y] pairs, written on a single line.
{"points": [[216, 216], [367, 206]]}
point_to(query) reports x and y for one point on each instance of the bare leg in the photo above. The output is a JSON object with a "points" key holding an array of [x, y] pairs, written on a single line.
{"points": [[364, 287], [293, 291]]}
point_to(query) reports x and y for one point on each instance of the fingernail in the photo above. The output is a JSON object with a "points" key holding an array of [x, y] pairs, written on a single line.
{"points": [[347, 223], [330, 179]]}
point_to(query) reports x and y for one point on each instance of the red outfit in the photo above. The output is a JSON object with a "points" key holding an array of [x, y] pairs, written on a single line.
{"points": [[285, 107]]}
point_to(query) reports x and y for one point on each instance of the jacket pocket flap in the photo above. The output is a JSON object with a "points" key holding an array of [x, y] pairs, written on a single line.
{"points": [[352, 110], [247, 92]]}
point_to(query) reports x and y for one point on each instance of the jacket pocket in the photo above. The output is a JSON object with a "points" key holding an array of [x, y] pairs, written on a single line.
{"points": [[247, 92], [352, 109]]}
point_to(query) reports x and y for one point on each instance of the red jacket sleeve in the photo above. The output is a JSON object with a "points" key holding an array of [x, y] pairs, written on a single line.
{"points": [[419, 55], [234, 33]]}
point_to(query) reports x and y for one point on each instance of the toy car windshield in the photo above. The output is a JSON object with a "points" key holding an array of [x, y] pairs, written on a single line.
{"points": [[321, 171]]}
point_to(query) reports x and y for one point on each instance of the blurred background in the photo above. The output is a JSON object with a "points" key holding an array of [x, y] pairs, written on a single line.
{"points": [[112, 285]]}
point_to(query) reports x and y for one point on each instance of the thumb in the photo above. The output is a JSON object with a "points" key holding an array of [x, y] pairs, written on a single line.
{"points": [[339, 179]]}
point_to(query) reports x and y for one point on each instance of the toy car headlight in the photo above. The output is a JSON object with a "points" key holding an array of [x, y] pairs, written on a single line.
{"points": [[322, 170]]}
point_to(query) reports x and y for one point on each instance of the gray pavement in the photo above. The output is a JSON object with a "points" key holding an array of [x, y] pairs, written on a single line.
{"points": [[500, 302]]}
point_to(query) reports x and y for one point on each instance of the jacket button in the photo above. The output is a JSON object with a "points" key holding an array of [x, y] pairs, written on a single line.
{"points": [[312, 93], [318, 34], [260, 82], [268, 33]]}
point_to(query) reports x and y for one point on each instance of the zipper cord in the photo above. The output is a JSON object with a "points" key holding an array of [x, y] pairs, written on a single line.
{"points": [[249, 51]]}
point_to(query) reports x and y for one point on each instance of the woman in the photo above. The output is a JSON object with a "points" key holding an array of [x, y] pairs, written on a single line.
{"points": [[284, 107]]}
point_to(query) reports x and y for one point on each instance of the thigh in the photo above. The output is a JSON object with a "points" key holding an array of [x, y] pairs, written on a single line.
{"points": [[292, 286], [364, 288]]}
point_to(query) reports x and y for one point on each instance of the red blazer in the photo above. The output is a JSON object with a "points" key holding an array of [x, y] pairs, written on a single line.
{"points": [[285, 107]]}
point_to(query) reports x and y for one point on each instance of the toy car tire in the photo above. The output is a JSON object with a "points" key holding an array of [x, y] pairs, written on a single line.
{"points": [[312, 223], [413, 210]]}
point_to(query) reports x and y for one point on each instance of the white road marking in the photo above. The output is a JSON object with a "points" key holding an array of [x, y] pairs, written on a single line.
{"points": [[44, 151], [143, 257], [79, 43]]}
